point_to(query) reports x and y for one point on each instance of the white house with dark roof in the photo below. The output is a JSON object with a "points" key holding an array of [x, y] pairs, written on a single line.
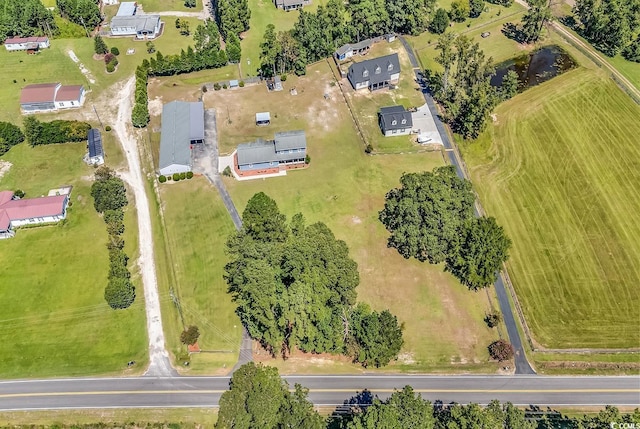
{"points": [[376, 73], [286, 150], [182, 126], [140, 26], [291, 4], [395, 121]]}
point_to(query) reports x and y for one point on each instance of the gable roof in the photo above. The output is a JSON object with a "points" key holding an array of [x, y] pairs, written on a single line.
{"points": [[140, 22], [29, 208], [127, 8], [377, 69], [176, 134], [256, 152], [366, 43], [263, 117], [290, 140], [39, 93], [95, 143], [69, 93], [389, 115], [20, 40]]}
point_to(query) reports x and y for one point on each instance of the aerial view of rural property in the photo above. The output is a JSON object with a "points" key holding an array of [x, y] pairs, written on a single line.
{"points": [[320, 214]]}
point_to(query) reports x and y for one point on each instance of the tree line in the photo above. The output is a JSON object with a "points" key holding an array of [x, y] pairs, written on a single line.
{"points": [[57, 131], [10, 135], [81, 12], [232, 17], [316, 36], [294, 286], [259, 398], [24, 18], [431, 218], [612, 26], [109, 198]]}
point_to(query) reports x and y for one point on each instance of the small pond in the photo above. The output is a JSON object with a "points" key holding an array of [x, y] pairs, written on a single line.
{"points": [[537, 67]]}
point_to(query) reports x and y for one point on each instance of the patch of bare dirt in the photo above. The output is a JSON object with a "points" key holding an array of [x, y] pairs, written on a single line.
{"points": [[4, 167], [155, 106]]}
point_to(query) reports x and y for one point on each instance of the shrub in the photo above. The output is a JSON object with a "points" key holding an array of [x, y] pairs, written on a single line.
{"points": [[224, 86], [183, 175], [369, 148], [241, 84], [190, 335], [19, 193], [107, 128], [189, 174], [111, 68], [151, 48], [307, 159], [115, 51], [108, 58], [283, 77], [176, 176], [162, 179], [216, 86], [501, 350], [227, 171], [204, 88], [493, 319]]}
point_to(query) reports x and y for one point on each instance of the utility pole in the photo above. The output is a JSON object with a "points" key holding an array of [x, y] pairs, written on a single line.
{"points": [[98, 116], [85, 27]]}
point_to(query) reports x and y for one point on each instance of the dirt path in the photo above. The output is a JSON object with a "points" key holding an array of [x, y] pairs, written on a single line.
{"points": [[200, 15], [160, 364]]}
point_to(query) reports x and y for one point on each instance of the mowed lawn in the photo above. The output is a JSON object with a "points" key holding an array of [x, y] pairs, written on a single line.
{"points": [[345, 189], [560, 170], [54, 320], [197, 228]]}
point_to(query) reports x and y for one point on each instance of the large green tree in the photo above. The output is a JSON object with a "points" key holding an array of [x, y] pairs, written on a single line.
{"points": [[259, 398], [538, 14], [611, 25], [10, 135], [262, 220], [425, 214], [81, 12], [376, 338], [23, 18], [119, 293], [109, 194], [440, 21]]}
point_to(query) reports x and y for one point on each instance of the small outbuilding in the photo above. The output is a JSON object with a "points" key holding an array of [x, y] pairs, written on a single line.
{"points": [[234, 83], [395, 121], [350, 49], [263, 118], [95, 156]]}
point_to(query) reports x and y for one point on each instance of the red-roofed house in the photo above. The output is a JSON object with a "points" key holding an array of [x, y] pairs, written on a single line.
{"points": [[51, 96], [29, 211], [26, 43]]}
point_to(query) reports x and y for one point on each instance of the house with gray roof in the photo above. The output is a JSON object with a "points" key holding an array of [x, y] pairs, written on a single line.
{"points": [[287, 150], [376, 73], [350, 49], [182, 127], [95, 156], [140, 26], [291, 4], [395, 121]]}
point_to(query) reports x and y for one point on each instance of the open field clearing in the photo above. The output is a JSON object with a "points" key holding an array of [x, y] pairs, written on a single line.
{"points": [[345, 189], [54, 319], [366, 104], [560, 171], [197, 227], [169, 5]]}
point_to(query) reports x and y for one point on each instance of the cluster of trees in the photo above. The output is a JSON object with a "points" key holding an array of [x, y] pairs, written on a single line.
{"points": [[109, 198], [431, 218], [259, 398], [612, 26], [294, 285], [110, 56], [23, 18], [140, 112], [10, 135], [183, 26], [464, 87], [232, 17], [81, 12], [533, 21], [190, 335], [58, 131]]}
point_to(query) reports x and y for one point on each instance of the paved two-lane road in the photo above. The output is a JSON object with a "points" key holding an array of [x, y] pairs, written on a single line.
{"points": [[165, 392]]}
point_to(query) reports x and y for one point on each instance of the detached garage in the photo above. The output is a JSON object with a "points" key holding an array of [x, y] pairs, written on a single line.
{"points": [[182, 126]]}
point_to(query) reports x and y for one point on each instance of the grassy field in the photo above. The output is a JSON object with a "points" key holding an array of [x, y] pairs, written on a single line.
{"points": [[345, 189], [559, 170], [169, 5], [197, 227], [54, 319], [366, 104]]}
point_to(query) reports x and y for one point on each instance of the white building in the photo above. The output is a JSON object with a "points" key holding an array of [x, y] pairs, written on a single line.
{"points": [[140, 26], [26, 43]]}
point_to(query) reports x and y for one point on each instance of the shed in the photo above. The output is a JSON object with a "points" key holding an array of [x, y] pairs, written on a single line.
{"points": [[94, 144], [263, 118], [234, 84]]}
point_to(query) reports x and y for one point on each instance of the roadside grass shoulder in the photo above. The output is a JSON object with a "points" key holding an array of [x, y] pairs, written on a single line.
{"points": [[558, 169], [345, 189], [150, 6], [55, 321]]}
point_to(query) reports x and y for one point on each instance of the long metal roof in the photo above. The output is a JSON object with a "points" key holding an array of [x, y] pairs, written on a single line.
{"points": [[175, 140], [290, 140]]}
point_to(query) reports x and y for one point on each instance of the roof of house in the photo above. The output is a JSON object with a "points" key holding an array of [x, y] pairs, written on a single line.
{"points": [[19, 40], [29, 208], [389, 115], [263, 116], [366, 43], [289, 2], [290, 140], [38, 93], [95, 143], [256, 152], [379, 69], [176, 135], [69, 93], [196, 120], [140, 22], [127, 8]]}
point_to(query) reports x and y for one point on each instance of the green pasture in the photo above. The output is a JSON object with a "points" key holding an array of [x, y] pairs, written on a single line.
{"points": [[559, 169], [197, 226], [345, 188], [169, 5], [54, 320]]}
